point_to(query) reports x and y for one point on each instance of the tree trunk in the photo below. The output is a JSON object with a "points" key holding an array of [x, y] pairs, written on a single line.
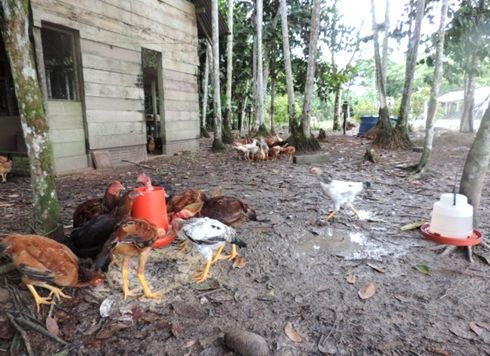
{"points": [[476, 166], [287, 65], [386, 36], [227, 135], [273, 96], [15, 26], [466, 124], [310, 71], [413, 45], [336, 110], [434, 92], [259, 105], [218, 134], [205, 85]]}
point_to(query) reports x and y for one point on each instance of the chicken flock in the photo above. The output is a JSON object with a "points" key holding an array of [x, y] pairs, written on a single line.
{"points": [[263, 149], [105, 234]]}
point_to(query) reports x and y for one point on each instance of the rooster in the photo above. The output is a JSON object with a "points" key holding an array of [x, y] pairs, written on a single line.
{"points": [[87, 240], [5, 167], [134, 237], [43, 262], [97, 206], [209, 236], [341, 192]]}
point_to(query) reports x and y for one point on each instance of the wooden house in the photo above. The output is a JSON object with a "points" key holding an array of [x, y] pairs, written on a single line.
{"points": [[113, 73]]}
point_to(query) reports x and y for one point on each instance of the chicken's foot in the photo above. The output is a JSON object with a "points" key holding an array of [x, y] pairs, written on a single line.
{"points": [[125, 280], [231, 256], [203, 275], [37, 298], [331, 215], [356, 213], [184, 246], [56, 292]]}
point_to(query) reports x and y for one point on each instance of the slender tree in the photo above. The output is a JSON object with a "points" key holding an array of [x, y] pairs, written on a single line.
{"points": [[218, 133], [14, 25], [205, 85], [476, 166], [228, 119], [259, 105], [434, 91], [413, 45], [287, 65]]}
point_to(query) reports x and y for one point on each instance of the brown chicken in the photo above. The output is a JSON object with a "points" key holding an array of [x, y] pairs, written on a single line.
{"points": [[134, 237], [43, 262], [87, 240], [97, 206], [230, 211], [5, 167], [180, 200]]}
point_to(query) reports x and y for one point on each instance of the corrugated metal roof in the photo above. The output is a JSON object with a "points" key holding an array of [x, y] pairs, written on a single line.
{"points": [[204, 24]]}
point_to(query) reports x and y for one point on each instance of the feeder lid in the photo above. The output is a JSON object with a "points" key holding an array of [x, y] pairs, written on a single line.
{"points": [[473, 239]]}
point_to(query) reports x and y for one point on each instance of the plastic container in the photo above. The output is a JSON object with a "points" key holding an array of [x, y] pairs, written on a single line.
{"points": [[151, 206], [368, 122], [452, 218]]}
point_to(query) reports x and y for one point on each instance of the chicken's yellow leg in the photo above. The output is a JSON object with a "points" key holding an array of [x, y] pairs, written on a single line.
{"points": [[356, 213], [37, 298], [57, 292], [125, 281], [231, 256], [331, 215], [203, 275], [143, 257], [218, 254], [184, 246]]}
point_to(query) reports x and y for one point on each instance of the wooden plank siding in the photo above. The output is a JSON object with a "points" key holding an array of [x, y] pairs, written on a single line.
{"points": [[112, 34]]}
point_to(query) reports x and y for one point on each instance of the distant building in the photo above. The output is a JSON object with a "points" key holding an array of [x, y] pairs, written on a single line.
{"points": [[452, 103]]}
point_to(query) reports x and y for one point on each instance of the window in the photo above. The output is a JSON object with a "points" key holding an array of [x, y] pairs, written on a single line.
{"points": [[8, 102], [60, 63]]}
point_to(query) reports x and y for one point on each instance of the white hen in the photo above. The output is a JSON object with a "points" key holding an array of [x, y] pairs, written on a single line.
{"points": [[341, 192], [207, 235]]}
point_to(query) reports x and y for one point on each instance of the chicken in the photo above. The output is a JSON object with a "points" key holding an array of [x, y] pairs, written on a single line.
{"points": [[209, 236], [149, 184], [134, 237], [150, 145], [248, 150], [94, 207], [87, 240], [289, 151], [5, 167], [43, 262], [263, 153], [340, 192], [275, 151], [230, 211], [273, 140], [180, 200]]}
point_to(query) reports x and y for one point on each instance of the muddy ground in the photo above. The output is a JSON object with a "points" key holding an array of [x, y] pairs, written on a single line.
{"points": [[299, 287]]}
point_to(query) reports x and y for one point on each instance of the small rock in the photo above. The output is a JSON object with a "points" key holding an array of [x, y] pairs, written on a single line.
{"points": [[246, 343], [4, 295]]}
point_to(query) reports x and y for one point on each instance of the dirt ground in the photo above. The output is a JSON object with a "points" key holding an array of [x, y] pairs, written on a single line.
{"points": [[299, 288]]}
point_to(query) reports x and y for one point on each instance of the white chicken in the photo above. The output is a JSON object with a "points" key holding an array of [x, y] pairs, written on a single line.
{"points": [[341, 192], [209, 236]]}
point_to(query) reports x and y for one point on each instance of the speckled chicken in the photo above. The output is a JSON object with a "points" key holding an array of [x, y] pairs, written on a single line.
{"points": [[43, 262], [134, 237], [97, 206], [209, 236]]}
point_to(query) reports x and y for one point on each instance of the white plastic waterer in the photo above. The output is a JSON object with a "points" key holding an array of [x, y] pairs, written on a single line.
{"points": [[452, 216]]}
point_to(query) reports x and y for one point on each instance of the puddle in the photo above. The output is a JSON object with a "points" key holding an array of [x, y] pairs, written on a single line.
{"points": [[347, 244]]}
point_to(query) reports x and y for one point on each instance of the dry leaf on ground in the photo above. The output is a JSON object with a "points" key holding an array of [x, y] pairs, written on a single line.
{"points": [[292, 334], [350, 277], [367, 291], [52, 325], [239, 262]]}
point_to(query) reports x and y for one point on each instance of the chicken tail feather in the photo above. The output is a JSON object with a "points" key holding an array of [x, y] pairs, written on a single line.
{"points": [[239, 242]]}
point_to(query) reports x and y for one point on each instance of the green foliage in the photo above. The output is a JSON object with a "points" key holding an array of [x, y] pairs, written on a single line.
{"points": [[365, 107]]}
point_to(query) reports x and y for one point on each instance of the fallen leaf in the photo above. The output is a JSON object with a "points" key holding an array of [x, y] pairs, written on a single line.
{"points": [[239, 262], [176, 329], [401, 298], [350, 277], [483, 325], [52, 325], [412, 226], [424, 269], [376, 268], [136, 313], [476, 329], [189, 343], [110, 331], [291, 333], [367, 291], [439, 352]]}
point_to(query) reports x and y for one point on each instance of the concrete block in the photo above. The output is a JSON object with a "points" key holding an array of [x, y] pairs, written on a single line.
{"points": [[102, 159], [314, 158]]}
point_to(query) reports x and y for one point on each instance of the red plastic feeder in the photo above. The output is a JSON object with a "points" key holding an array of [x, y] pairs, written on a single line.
{"points": [[474, 239], [151, 206]]}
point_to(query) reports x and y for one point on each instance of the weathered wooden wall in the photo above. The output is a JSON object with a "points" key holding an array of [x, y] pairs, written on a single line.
{"points": [[112, 34]]}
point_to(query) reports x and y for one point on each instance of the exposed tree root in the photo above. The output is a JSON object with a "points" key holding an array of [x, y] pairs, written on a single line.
{"points": [[302, 143], [204, 132], [218, 145]]}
